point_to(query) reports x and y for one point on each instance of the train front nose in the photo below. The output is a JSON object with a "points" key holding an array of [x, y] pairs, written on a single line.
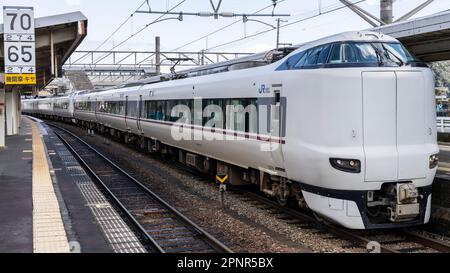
{"points": [[394, 126], [398, 144], [384, 180]]}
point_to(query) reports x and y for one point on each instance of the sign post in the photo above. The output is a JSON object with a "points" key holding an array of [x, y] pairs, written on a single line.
{"points": [[19, 46]]}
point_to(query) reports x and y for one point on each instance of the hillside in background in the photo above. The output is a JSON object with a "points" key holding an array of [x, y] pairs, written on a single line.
{"points": [[442, 73]]}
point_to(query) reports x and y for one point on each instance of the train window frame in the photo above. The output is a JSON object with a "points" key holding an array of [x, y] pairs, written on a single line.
{"points": [[286, 66], [291, 61]]}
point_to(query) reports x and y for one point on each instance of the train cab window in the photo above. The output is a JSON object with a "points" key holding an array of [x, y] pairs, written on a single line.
{"points": [[312, 58], [291, 62], [323, 54], [351, 53], [335, 55], [302, 61]]}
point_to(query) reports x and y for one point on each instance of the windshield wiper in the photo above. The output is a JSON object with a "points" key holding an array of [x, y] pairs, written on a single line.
{"points": [[379, 55], [400, 61]]}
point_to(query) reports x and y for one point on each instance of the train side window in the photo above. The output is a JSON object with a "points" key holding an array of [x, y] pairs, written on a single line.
{"points": [[151, 109], [159, 110], [170, 105], [121, 108]]}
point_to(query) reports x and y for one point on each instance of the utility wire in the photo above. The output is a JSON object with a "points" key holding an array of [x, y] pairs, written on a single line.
{"points": [[114, 32], [139, 31], [222, 28], [288, 24]]}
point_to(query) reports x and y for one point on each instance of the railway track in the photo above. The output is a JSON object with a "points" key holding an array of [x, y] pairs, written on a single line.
{"points": [[390, 241], [164, 228]]}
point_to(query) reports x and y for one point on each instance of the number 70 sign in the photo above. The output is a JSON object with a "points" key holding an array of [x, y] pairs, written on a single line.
{"points": [[20, 45]]}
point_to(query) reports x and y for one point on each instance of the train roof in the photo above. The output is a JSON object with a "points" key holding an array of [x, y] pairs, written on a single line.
{"points": [[354, 36], [255, 60]]}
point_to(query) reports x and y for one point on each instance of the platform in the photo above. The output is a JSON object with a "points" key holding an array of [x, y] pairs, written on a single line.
{"points": [[16, 204], [48, 204]]}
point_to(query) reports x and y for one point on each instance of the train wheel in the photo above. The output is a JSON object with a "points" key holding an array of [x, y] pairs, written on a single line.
{"points": [[282, 200], [283, 193]]}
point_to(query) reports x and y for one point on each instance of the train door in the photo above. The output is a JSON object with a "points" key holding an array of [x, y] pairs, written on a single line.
{"points": [[277, 125], [140, 115], [96, 110], [126, 113]]}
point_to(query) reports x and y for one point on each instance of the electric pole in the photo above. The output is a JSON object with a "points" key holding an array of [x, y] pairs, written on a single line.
{"points": [[386, 11], [158, 54]]}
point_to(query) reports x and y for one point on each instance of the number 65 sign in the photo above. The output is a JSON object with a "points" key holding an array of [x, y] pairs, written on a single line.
{"points": [[19, 40]]}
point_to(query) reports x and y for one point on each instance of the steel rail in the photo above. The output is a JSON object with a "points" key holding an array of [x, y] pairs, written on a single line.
{"points": [[211, 240], [426, 241], [340, 232], [343, 233]]}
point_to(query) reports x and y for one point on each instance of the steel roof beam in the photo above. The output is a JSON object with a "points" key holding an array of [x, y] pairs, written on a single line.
{"points": [[361, 13], [414, 11]]}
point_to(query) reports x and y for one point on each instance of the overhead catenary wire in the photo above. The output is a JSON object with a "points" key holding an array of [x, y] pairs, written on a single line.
{"points": [[224, 27], [286, 25], [114, 32], [139, 31]]}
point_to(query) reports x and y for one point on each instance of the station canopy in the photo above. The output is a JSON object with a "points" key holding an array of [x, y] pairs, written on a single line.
{"points": [[57, 37], [427, 38]]}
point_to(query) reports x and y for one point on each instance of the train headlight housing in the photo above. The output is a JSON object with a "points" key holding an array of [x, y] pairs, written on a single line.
{"points": [[346, 165], [434, 161]]}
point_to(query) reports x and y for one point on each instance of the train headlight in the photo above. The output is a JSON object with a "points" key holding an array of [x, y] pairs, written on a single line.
{"points": [[346, 165], [434, 161]]}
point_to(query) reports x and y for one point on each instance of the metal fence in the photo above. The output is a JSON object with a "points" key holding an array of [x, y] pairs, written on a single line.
{"points": [[443, 124]]}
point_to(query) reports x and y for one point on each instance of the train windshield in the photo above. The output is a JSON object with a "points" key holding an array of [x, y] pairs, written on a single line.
{"points": [[352, 54], [382, 54], [399, 52]]}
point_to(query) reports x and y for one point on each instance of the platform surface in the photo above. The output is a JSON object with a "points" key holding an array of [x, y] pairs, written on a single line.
{"points": [[49, 234], [43, 206], [16, 217]]}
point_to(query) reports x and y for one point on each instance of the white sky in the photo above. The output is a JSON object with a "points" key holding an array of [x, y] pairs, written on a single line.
{"points": [[106, 15]]}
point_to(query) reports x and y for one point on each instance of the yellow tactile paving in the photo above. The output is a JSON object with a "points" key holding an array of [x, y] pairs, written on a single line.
{"points": [[49, 235]]}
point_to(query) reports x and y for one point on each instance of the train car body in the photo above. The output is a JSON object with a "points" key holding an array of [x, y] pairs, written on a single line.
{"points": [[345, 125]]}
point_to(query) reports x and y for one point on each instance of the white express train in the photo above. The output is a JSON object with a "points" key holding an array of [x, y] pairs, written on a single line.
{"points": [[344, 125]]}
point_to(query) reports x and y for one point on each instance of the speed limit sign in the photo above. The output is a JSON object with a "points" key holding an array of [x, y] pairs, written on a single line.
{"points": [[20, 45]]}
